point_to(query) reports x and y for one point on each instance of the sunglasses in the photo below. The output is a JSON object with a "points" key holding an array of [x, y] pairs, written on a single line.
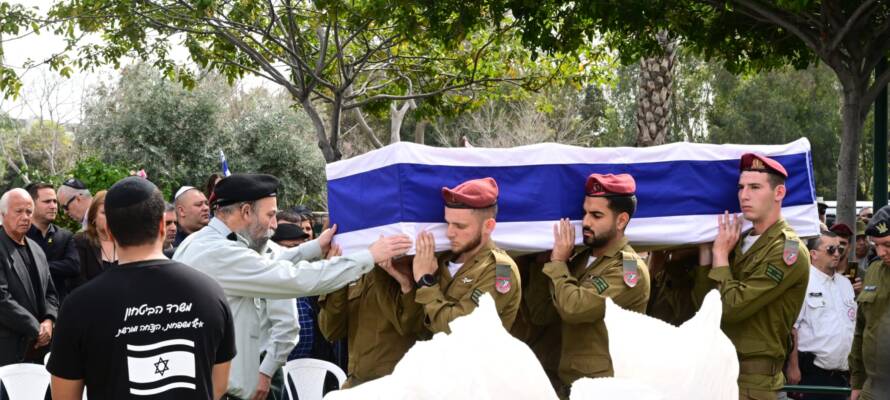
{"points": [[830, 250], [68, 203]]}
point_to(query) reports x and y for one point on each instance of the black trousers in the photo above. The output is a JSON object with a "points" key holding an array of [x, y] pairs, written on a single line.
{"points": [[810, 374]]}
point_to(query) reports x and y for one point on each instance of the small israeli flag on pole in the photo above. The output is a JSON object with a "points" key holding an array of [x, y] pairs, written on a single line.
{"points": [[224, 164]]}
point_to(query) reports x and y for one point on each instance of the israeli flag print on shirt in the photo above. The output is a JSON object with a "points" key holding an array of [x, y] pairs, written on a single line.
{"points": [[159, 367]]}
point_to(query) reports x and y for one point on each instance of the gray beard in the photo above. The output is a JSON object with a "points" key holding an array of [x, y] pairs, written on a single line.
{"points": [[257, 244]]}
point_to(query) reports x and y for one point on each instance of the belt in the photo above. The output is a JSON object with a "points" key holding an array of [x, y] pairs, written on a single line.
{"points": [[760, 366]]}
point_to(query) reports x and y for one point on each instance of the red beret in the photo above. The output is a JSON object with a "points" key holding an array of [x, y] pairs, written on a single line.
{"points": [[599, 185], [757, 162], [841, 229], [476, 193]]}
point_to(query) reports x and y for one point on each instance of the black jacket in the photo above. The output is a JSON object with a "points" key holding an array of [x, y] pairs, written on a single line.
{"points": [[64, 264], [21, 309]]}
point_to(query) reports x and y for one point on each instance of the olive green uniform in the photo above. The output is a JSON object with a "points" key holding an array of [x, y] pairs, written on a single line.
{"points": [[870, 355], [671, 298], [762, 295], [367, 312], [573, 296], [453, 297]]}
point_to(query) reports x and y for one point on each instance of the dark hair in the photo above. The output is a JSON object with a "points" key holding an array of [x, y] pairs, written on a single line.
{"points": [[815, 242], [137, 224], [623, 204], [289, 216], [34, 188], [487, 212], [774, 180], [211, 184]]}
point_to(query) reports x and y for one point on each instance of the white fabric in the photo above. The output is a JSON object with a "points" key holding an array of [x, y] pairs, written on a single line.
{"points": [[181, 191], [700, 362], [479, 360], [641, 231], [246, 275], [827, 320], [748, 241], [453, 267], [280, 329], [590, 261], [24, 381]]}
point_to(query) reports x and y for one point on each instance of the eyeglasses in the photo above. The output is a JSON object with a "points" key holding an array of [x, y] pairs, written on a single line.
{"points": [[841, 249], [68, 203], [830, 250]]}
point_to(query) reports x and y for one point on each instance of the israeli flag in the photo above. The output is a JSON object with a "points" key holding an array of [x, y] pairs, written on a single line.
{"points": [[159, 367], [681, 188], [224, 165]]}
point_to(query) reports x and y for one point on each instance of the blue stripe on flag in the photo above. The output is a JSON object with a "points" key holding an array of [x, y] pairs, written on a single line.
{"points": [[412, 192]]}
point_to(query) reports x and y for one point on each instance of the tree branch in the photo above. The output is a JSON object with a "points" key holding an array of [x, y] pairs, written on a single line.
{"points": [[850, 23]]}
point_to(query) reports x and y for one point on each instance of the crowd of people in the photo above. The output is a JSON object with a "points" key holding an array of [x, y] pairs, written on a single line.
{"points": [[209, 295]]}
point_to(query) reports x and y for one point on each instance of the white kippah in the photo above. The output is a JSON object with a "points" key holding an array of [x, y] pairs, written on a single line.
{"points": [[181, 191]]}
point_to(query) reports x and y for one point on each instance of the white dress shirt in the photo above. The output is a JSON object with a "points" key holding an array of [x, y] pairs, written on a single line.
{"points": [[827, 319], [248, 278]]}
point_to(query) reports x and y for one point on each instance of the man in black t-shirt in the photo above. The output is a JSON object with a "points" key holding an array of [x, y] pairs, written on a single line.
{"points": [[150, 328]]}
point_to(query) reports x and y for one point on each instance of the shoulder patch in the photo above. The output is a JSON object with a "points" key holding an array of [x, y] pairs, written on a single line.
{"points": [[502, 282], [774, 273], [789, 254], [600, 284], [629, 265], [475, 296]]}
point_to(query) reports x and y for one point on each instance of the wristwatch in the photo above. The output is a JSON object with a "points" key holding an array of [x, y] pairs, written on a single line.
{"points": [[426, 281]]}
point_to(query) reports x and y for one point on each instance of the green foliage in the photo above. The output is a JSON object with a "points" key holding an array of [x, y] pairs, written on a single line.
{"points": [[96, 174]]}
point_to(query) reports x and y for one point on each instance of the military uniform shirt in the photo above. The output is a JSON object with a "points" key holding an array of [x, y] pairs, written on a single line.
{"points": [[870, 356]]}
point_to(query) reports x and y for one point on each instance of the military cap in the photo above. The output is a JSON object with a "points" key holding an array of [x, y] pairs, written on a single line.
{"points": [[289, 232], [757, 162], [879, 225], [74, 183], [608, 185], [129, 191], [236, 188], [475, 193], [841, 229]]}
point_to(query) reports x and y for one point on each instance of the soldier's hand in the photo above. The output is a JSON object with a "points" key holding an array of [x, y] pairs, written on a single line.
{"points": [[704, 254], [792, 375], [335, 251], [857, 285], [425, 258], [563, 240], [324, 240], [729, 228], [402, 276], [389, 246], [854, 394]]}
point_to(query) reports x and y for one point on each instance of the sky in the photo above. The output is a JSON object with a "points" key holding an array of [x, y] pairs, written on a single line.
{"points": [[64, 96]]}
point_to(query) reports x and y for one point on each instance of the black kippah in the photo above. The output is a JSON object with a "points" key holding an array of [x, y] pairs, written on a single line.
{"points": [[129, 191], [289, 232]]}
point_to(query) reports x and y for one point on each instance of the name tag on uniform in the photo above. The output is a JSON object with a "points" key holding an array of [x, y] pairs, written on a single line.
{"points": [[870, 288], [815, 294]]}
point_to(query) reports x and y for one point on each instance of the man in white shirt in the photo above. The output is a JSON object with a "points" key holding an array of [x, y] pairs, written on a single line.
{"points": [[823, 333], [233, 248]]}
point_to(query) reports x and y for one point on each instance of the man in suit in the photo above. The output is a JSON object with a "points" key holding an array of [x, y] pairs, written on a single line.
{"points": [[28, 301]]}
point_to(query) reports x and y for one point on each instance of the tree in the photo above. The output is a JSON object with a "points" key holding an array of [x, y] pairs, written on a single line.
{"points": [[849, 36], [332, 57], [655, 96], [145, 121]]}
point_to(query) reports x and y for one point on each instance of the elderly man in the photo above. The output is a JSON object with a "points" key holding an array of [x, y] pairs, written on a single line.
{"points": [[28, 301], [233, 249], [823, 332], [75, 200], [56, 242], [192, 212]]}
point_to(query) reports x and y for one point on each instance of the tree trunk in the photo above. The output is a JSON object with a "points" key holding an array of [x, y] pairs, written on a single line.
{"points": [[656, 94], [397, 117], [334, 135], [420, 131], [320, 132], [848, 159]]}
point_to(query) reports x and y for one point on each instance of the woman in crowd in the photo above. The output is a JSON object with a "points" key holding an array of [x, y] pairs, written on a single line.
{"points": [[95, 248]]}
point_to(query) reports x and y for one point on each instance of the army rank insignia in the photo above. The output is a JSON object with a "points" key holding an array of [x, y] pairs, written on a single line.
{"points": [[774, 273], [475, 296], [600, 284]]}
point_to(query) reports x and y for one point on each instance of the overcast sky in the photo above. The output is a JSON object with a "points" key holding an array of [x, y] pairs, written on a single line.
{"points": [[67, 100]]}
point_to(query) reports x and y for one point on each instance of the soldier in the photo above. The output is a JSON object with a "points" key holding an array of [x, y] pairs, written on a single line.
{"points": [[571, 289], [450, 286], [365, 313], [870, 356], [762, 278]]}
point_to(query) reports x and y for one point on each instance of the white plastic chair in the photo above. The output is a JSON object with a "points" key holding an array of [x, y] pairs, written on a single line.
{"points": [[308, 375], [24, 381]]}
